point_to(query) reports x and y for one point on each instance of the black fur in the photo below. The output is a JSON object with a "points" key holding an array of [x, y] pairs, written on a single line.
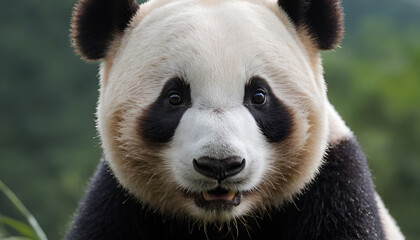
{"points": [[95, 23], [272, 117], [159, 122], [339, 204], [322, 18]]}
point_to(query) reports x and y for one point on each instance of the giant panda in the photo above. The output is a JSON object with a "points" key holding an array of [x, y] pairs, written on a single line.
{"points": [[215, 124]]}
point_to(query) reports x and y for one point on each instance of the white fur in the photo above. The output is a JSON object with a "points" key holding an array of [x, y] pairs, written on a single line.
{"points": [[203, 132], [337, 127], [392, 231], [216, 47]]}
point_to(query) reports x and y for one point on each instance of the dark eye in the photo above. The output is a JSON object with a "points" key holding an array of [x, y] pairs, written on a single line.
{"points": [[258, 97], [175, 99]]}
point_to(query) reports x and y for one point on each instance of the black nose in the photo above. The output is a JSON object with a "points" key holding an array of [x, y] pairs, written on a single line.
{"points": [[219, 169]]}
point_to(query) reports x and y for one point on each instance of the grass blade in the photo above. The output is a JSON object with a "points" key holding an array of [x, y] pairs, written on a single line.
{"points": [[19, 226], [25, 212]]}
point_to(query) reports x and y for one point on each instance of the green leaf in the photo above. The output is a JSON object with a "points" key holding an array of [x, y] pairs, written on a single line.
{"points": [[19, 227], [25, 212]]}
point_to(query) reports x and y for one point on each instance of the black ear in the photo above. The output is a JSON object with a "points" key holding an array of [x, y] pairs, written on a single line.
{"points": [[95, 23], [322, 18]]}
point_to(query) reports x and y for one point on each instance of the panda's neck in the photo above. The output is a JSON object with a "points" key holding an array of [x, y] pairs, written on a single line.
{"points": [[337, 128]]}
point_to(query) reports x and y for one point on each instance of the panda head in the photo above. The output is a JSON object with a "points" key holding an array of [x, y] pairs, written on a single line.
{"points": [[210, 110]]}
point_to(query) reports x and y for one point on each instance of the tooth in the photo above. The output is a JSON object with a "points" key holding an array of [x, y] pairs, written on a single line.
{"points": [[230, 195], [206, 196]]}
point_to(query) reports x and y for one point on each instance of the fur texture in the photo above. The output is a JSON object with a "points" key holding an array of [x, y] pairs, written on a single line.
{"points": [[154, 125], [217, 79], [272, 117], [339, 204], [323, 19], [95, 24], [212, 51]]}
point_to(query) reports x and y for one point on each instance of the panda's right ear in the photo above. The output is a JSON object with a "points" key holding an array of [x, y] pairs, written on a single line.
{"points": [[96, 23]]}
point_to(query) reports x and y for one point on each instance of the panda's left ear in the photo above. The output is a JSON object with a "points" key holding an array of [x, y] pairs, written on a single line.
{"points": [[323, 19], [96, 23]]}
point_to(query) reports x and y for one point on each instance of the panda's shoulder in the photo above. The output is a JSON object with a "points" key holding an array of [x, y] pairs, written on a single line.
{"points": [[340, 193]]}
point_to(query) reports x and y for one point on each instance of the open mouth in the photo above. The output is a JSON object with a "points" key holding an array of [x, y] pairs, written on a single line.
{"points": [[218, 199]]}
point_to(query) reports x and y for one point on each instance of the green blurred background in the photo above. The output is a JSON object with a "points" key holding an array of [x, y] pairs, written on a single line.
{"points": [[49, 146]]}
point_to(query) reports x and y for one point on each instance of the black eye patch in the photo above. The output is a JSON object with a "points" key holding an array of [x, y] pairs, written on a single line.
{"points": [[271, 115], [159, 122]]}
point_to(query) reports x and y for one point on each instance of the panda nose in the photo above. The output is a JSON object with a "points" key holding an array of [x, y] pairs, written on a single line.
{"points": [[219, 169]]}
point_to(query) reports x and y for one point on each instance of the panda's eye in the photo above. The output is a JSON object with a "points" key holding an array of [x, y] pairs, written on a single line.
{"points": [[259, 97], [175, 99]]}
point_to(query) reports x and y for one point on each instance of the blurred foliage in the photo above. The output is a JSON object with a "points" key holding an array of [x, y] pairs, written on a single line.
{"points": [[48, 143]]}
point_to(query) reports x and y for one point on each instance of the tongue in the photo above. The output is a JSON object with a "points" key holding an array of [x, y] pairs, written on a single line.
{"points": [[228, 196]]}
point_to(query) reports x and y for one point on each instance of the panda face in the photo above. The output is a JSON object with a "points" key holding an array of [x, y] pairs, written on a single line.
{"points": [[212, 110]]}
